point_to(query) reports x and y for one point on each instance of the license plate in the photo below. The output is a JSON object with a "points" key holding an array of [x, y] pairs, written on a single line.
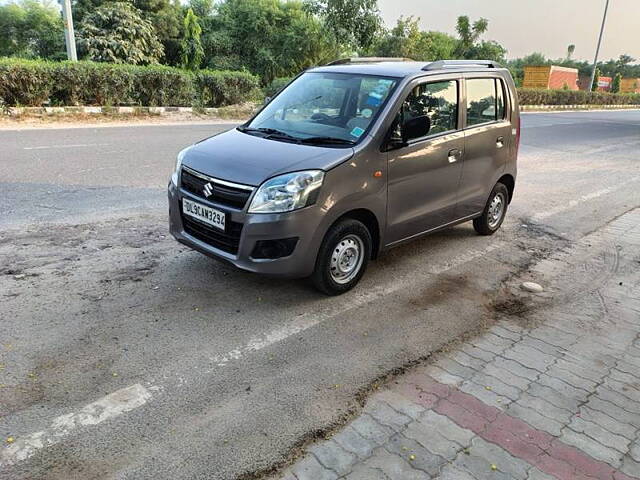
{"points": [[205, 214]]}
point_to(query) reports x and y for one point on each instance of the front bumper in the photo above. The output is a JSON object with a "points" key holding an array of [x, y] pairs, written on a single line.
{"points": [[303, 224]]}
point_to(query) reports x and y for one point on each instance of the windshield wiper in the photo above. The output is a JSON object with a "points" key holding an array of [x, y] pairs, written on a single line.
{"points": [[327, 140], [270, 133]]}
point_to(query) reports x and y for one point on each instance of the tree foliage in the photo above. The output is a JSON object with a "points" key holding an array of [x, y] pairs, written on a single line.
{"points": [[192, 51], [116, 32], [407, 40], [273, 38], [354, 24], [31, 29], [615, 85]]}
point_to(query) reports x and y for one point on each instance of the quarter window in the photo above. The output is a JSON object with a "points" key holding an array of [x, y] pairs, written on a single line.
{"points": [[438, 101], [485, 100]]}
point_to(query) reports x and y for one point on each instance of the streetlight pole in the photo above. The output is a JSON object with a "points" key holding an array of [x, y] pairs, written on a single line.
{"points": [[69, 34], [595, 60]]}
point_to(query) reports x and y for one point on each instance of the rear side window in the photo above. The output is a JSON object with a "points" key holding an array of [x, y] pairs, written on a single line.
{"points": [[438, 101], [485, 100]]}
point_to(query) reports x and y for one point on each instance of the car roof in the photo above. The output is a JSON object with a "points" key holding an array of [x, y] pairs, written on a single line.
{"points": [[402, 69]]}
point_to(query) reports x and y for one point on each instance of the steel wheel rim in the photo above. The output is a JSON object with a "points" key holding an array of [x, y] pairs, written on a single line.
{"points": [[346, 259], [496, 210]]}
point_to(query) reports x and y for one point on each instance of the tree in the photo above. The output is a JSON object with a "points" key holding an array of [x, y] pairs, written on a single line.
{"points": [[406, 40], [31, 29], [353, 23], [192, 51], [272, 38], [615, 85], [166, 17], [116, 32], [202, 8], [469, 34], [570, 49], [596, 79]]}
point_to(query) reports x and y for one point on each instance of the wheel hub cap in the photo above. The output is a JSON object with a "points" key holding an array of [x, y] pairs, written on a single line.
{"points": [[346, 259], [496, 209]]}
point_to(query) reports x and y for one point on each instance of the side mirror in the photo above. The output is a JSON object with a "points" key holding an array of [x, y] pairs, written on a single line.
{"points": [[266, 100], [416, 128]]}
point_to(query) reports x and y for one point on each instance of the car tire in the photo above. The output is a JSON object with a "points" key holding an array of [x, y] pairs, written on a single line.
{"points": [[494, 211], [343, 257]]}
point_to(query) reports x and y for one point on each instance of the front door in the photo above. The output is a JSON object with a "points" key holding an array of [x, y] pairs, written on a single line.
{"points": [[423, 173]]}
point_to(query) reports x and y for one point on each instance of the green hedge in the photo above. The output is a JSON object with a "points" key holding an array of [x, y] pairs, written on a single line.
{"points": [[35, 82], [530, 96]]}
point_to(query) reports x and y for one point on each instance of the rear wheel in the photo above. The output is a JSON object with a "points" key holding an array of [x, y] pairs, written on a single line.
{"points": [[494, 211], [343, 257]]}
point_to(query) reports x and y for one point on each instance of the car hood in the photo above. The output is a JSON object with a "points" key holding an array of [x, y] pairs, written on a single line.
{"points": [[250, 160]]}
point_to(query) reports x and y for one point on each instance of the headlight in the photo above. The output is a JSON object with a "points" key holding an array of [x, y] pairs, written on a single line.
{"points": [[287, 192], [179, 158]]}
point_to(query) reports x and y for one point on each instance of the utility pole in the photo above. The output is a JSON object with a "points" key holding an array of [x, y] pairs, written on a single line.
{"points": [[69, 34], [595, 60]]}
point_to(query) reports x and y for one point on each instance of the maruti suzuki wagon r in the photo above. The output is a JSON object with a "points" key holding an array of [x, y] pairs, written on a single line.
{"points": [[348, 160]]}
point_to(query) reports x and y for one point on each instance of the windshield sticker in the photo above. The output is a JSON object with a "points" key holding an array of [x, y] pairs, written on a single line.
{"points": [[357, 132], [373, 100], [367, 112]]}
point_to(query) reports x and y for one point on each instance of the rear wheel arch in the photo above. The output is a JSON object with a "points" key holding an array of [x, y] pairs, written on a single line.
{"points": [[509, 182]]}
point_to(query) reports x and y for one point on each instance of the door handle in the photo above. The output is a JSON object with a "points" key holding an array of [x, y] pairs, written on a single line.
{"points": [[454, 155], [499, 142]]}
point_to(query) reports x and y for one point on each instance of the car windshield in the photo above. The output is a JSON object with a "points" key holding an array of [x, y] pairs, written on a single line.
{"points": [[324, 108]]}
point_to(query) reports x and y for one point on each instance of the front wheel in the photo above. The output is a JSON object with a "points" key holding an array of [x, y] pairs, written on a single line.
{"points": [[494, 211], [343, 257]]}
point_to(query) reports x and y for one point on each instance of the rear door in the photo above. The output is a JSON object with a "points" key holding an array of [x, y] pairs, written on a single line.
{"points": [[423, 173], [488, 137]]}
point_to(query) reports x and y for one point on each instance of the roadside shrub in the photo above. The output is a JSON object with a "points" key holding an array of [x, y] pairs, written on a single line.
{"points": [[224, 87], [530, 96], [24, 82], [36, 82]]}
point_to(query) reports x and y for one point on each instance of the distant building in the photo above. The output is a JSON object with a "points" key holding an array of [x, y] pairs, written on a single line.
{"points": [[550, 77], [604, 83], [630, 85]]}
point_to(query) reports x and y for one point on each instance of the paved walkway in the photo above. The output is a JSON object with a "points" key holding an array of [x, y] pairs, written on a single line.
{"points": [[555, 395]]}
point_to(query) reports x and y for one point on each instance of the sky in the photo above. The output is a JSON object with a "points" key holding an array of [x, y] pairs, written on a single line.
{"points": [[526, 26]]}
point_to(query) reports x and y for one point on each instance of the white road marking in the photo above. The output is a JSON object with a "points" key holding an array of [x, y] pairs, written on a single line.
{"points": [[77, 145], [309, 320], [112, 405], [583, 198]]}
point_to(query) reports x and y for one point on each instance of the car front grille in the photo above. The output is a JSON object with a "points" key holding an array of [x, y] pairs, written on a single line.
{"points": [[226, 195]]}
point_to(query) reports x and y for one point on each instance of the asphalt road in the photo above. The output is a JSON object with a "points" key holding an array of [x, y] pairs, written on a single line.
{"points": [[125, 355]]}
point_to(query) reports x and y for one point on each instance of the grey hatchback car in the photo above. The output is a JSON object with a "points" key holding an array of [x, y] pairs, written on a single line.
{"points": [[348, 160]]}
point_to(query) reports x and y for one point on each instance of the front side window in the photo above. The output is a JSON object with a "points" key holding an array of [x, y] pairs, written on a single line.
{"points": [[485, 100], [438, 101], [324, 108]]}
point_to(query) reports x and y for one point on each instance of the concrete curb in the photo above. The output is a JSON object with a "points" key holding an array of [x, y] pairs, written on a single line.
{"points": [[547, 108], [15, 111]]}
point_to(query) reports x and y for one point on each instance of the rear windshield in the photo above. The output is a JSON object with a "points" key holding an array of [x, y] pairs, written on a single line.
{"points": [[327, 105]]}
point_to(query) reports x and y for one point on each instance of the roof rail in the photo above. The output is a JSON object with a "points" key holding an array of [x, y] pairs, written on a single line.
{"points": [[440, 64], [343, 61]]}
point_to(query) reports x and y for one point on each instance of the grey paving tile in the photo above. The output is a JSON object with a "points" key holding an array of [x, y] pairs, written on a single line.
{"points": [[394, 466], [592, 447], [310, 469], [506, 463], [605, 437], [433, 421], [349, 439], [333, 457], [418, 456]]}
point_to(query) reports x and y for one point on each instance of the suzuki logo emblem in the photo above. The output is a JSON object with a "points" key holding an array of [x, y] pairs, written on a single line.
{"points": [[208, 190]]}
